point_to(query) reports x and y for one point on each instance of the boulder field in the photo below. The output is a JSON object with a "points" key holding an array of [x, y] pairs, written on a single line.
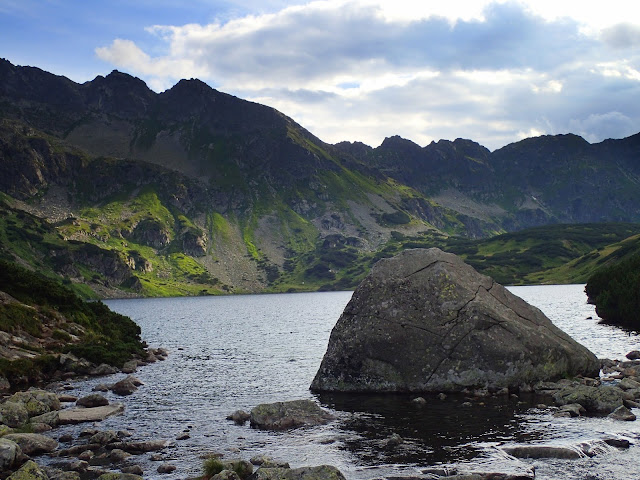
{"points": [[424, 321]]}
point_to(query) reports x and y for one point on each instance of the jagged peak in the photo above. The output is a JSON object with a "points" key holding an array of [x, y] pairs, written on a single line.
{"points": [[397, 141]]}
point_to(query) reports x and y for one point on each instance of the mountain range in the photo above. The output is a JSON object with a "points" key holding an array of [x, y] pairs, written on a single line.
{"points": [[124, 191]]}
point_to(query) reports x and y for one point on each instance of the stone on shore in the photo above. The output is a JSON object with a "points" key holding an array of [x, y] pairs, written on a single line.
{"points": [[33, 443], [95, 414], [424, 321], [92, 400], [596, 400], [10, 453], [323, 472], [126, 386], [119, 476], [13, 414], [29, 471], [36, 401], [286, 415], [139, 447], [623, 413]]}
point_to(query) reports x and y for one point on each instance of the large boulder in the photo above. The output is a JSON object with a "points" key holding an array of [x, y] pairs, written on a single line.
{"points": [[424, 321]]}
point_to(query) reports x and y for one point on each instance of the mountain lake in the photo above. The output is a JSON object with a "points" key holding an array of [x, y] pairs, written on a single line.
{"points": [[235, 352]]}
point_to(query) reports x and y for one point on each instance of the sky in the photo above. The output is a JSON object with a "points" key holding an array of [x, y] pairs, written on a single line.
{"points": [[361, 70]]}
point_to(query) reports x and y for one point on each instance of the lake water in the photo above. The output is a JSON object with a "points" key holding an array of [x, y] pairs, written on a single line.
{"points": [[229, 353]]}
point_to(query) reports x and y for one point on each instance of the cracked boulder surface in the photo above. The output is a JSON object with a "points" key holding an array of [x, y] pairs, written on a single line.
{"points": [[424, 321]]}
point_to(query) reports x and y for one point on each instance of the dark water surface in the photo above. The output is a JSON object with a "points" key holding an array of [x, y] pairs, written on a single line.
{"points": [[229, 353]]}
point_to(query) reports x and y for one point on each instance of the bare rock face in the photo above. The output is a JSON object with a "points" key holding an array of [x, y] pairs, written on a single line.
{"points": [[424, 321]]}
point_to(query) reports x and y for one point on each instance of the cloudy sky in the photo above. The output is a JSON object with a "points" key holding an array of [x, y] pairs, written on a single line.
{"points": [[491, 71]]}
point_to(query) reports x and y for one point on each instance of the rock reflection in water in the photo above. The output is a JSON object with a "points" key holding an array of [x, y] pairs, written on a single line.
{"points": [[440, 431]]}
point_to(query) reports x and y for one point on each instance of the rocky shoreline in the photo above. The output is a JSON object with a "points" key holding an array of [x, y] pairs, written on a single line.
{"points": [[29, 419]]}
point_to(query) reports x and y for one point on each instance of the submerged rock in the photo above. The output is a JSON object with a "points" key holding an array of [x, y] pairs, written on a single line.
{"points": [[544, 451], [323, 472], [424, 321], [285, 415]]}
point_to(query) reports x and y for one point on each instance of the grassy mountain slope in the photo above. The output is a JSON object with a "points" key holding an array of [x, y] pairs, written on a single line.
{"points": [[40, 319], [123, 191]]}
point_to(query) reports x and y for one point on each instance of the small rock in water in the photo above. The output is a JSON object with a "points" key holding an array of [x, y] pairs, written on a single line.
{"points": [[442, 396], [419, 401], [133, 469], [166, 468], [184, 436], [67, 398], [393, 441], [618, 442], [67, 437], [118, 455], [633, 355], [86, 455], [622, 413], [240, 417], [156, 457], [92, 400]]}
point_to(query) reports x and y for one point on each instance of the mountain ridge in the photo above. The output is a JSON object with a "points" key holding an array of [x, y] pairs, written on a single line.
{"points": [[251, 199]]}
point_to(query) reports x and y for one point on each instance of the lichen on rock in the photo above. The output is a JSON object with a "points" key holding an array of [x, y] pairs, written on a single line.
{"points": [[424, 321]]}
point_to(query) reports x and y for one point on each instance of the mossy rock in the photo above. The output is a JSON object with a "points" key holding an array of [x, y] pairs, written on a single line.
{"points": [[119, 476], [29, 471], [13, 414], [322, 472]]}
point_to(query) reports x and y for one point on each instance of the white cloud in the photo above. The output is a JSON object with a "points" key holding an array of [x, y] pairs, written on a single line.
{"points": [[364, 70]]}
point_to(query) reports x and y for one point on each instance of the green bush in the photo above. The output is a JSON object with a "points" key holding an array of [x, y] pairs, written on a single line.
{"points": [[615, 291], [212, 466]]}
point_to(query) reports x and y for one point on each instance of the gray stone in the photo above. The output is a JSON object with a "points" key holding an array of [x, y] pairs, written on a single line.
{"points": [[166, 468], [596, 400], [103, 369], [629, 384], [10, 452], [118, 455], [226, 475], [240, 417], [633, 355], [57, 474], [13, 414], [135, 469], [33, 443], [108, 436], [119, 476], [139, 447], [36, 401], [622, 413], [286, 415], [130, 367], [323, 472], [29, 471], [573, 409], [543, 451], [92, 400], [470, 332], [95, 414], [126, 386], [49, 418]]}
